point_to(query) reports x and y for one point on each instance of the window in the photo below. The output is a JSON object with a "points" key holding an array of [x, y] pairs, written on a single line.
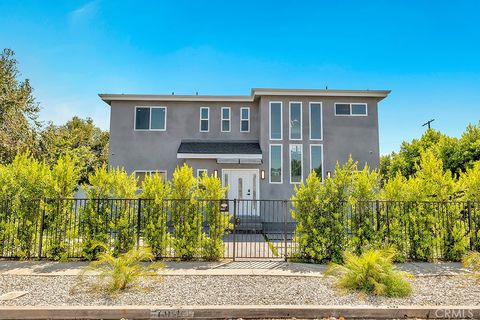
{"points": [[351, 109], [315, 121], [295, 163], [316, 159], [204, 119], [275, 121], [225, 119], [202, 172], [151, 118], [295, 120], [245, 119], [141, 174], [276, 163]]}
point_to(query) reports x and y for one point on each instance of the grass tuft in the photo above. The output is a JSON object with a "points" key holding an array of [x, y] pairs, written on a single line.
{"points": [[118, 273], [471, 261], [372, 272]]}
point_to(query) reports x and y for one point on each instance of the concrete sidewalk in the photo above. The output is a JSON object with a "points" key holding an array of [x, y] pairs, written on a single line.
{"points": [[223, 268]]}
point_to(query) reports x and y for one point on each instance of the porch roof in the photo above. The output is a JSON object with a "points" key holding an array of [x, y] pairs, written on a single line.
{"points": [[219, 149]]}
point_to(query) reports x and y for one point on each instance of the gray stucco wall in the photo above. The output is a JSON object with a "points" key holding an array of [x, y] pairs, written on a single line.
{"points": [[157, 150]]}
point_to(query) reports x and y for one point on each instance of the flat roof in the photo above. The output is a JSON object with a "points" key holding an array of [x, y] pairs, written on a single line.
{"points": [[255, 93]]}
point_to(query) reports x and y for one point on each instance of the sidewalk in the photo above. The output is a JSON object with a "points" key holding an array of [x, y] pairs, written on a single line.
{"points": [[222, 268]]}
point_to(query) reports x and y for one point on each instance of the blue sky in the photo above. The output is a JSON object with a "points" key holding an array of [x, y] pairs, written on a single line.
{"points": [[426, 52]]}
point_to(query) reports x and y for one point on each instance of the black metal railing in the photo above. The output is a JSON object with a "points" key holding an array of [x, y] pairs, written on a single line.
{"points": [[234, 229]]}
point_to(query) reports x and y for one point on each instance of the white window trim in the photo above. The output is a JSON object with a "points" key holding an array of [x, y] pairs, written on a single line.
{"points": [[248, 119], [150, 118], [350, 104], [208, 120], [200, 170], [270, 163], [321, 148], [222, 119], [270, 120], [290, 162], [310, 120], [290, 121]]}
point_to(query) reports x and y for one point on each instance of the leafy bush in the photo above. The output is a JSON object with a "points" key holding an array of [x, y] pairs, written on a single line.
{"points": [[187, 219], [155, 211], [119, 273], [471, 261], [209, 193], [372, 272]]}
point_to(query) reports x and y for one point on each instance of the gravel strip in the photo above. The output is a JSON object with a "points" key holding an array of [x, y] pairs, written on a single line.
{"points": [[233, 290]]}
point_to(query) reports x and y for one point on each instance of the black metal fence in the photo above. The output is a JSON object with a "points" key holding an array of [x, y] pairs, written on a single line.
{"points": [[234, 229]]}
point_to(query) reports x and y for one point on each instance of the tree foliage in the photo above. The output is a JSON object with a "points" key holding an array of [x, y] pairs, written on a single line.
{"points": [[79, 137], [457, 154], [19, 123]]}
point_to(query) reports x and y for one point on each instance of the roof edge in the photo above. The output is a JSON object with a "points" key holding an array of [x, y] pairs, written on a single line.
{"points": [[255, 92]]}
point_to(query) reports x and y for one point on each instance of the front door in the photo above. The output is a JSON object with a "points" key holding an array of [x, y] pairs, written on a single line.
{"points": [[243, 185]]}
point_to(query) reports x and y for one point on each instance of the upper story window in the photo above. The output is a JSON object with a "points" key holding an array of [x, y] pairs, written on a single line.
{"points": [[351, 109], [245, 119], [151, 118], [315, 115], [225, 119], [275, 121], [204, 119], [295, 120]]}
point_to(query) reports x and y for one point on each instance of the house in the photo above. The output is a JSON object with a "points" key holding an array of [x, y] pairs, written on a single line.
{"points": [[261, 144]]}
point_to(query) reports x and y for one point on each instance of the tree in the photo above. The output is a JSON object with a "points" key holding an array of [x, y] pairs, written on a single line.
{"points": [[19, 123], [79, 137]]}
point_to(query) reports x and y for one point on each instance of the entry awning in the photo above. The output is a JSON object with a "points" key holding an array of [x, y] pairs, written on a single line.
{"points": [[222, 151]]}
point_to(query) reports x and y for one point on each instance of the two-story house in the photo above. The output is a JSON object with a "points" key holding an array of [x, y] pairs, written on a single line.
{"points": [[261, 145]]}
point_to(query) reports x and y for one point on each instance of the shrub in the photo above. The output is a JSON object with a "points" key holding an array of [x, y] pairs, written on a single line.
{"points": [[209, 193], [372, 272], [155, 211], [187, 219], [471, 261], [119, 273]]}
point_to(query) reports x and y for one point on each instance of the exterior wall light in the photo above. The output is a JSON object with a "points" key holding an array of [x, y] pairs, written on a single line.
{"points": [[262, 174], [215, 173], [329, 174]]}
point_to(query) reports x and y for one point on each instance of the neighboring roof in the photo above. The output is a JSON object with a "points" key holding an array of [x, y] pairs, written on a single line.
{"points": [[255, 93], [219, 147]]}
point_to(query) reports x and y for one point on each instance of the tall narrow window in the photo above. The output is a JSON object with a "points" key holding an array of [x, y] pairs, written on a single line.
{"points": [[275, 121], [244, 119], [295, 163], [204, 119], [226, 119], [295, 121], [316, 159], [276, 163], [315, 121]]}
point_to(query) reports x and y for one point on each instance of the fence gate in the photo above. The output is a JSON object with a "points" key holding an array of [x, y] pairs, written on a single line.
{"points": [[262, 229]]}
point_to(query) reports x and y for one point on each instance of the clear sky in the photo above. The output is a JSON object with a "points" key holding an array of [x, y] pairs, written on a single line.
{"points": [[426, 52]]}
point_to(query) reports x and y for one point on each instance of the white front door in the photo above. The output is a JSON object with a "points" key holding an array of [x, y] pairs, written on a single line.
{"points": [[243, 185]]}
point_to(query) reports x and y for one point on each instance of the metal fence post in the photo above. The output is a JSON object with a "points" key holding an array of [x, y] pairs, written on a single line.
{"points": [[139, 212], [377, 209], [469, 212], [42, 226], [285, 204], [234, 226]]}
